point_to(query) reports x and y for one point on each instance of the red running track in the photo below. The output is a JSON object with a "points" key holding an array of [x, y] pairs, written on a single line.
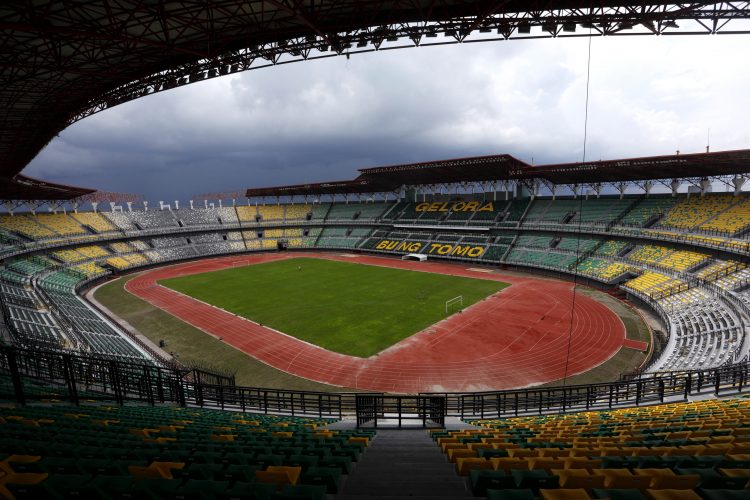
{"points": [[515, 338]]}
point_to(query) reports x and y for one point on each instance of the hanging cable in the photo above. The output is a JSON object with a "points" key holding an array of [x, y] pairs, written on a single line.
{"points": [[580, 213]]}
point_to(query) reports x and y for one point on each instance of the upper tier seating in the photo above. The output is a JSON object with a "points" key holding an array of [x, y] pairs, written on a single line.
{"points": [[228, 215], [600, 210], [247, 213], [319, 211], [297, 212], [647, 209], [515, 211], [120, 219], [696, 210], [153, 218], [271, 212], [733, 220], [359, 211], [94, 220], [552, 211], [27, 226], [197, 217], [61, 224]]}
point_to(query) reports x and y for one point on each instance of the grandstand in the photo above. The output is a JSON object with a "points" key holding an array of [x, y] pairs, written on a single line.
{"points": [[615, 241], [89, 408]]}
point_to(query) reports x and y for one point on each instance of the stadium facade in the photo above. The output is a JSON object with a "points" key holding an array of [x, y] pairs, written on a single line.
{"points": [[683, 254]]}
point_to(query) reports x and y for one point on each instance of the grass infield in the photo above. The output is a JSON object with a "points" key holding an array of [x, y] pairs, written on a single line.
{"points": [[349, 308]]}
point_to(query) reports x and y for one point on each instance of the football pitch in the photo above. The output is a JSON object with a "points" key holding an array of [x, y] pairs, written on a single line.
{"points": [[344, 307]]}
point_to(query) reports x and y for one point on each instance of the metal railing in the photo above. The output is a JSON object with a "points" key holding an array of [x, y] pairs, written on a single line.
{"points": [[35, 375]]}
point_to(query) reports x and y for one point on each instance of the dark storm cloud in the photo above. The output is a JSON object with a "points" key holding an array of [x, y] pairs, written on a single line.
{"points": [[322, 120]]}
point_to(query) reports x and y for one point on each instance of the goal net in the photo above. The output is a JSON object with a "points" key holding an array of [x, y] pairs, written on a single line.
{"points": [[452, 304]]}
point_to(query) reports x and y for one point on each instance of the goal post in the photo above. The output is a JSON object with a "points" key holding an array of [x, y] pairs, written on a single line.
{"points": [[452, 303]]}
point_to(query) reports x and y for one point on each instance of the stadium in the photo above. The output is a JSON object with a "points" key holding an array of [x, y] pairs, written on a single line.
{"points": [[461, 328]]}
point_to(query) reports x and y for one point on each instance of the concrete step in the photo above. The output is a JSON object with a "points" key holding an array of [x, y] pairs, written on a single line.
{"points": [[403, 464]]}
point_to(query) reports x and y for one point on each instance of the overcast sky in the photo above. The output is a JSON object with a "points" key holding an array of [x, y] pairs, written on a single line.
{"points": [[322, 120]]}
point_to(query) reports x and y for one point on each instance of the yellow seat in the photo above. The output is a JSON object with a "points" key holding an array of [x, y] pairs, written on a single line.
{"points": [[155, 470], [509, 463], [672, 495], [622, 479], [292, 473], [663, 479], [582, 463], [521, 452], [456, 453], [582, 452], [466, 464], [506, 446], [545, 463], [480, 446], [564, 494], [278, 475], [553, 452], [690, 450], [578, 478]]}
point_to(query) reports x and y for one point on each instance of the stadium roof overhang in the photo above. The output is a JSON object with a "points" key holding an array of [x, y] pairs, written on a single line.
{"points": [[63, 60], [22, 187], [503, 168]]}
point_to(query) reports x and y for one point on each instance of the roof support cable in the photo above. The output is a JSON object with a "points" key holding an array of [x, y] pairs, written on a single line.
{"points": [[580, 221]]}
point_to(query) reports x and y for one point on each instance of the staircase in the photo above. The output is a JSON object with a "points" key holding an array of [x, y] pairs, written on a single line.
{"points": [[403, 464]]}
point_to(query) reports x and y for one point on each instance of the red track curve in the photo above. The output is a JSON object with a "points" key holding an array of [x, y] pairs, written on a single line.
{"points": [[515, 338]]}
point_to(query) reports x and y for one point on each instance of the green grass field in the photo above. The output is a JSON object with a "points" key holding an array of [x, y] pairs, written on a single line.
{"points": [[349, 308]]}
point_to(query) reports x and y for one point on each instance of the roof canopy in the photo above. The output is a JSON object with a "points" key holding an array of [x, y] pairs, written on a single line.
{"points": [[25, 188], [65, 59], [484, 169]]}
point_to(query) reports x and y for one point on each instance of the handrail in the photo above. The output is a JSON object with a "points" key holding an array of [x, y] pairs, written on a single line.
{"points": [[35, 374]]}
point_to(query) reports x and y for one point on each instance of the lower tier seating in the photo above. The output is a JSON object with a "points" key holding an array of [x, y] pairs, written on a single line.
{"points": [[164, 451], [666, 451]]}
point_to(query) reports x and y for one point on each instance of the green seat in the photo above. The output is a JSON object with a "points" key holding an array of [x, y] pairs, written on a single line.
{"points": [[200, 489], [115, 486], [618, 494], [714, 480], [482, 480], [535, 479], [304, 461], [343, 463], [156, 488], [198, 471], [70, 486], [489, 453], [267, 459], [330, 477], [651, 462], [234, 458], [301, 492], [59, 465], [510, 495], [248, 491], [242, 473], [724, 494]]}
